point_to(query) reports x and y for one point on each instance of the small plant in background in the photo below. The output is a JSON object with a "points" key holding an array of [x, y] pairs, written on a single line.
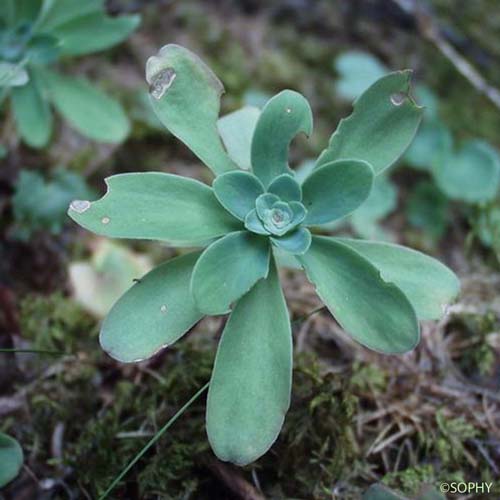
{"points": [[36, 35], [11, 459], [381, 492], [41, 205], [256, 207], [469, 174]]}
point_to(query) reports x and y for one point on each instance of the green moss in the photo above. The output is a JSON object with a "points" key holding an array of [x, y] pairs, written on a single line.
{"points": [[365, 377], [453, 433], [54, 322], [409, 481], [479, 358], [317, 446]]}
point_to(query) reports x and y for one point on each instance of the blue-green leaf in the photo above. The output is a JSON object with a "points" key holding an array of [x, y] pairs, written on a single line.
{"points": [[296, 242], [427, 209], [335, 190], [304, 170], [158, 206], [283, 117], [237, 192], [43, 49], [429, 285], [25, 11], [471, 175], [357, 71], [41, 205], [60, 12], [249, 391], [430, 147], [264, 203], [32, 112], [236, 130], [375, 312], [13, 75], [185, 95], [11, 459], [383, 123], [155, 312], [381, 201], [254, 224], [89, 110], [227, 269], [93, 33], [286, 188]]}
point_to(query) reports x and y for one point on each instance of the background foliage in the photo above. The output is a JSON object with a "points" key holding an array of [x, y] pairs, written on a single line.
{"points": [[357, 418]]}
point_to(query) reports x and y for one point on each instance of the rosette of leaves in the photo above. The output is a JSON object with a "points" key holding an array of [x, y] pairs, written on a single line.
{"points": [[376, 291], [36, 35], [11, 459]]}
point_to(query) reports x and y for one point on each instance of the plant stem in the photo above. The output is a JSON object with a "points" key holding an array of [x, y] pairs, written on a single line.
{"points": [[153, 440], [308, 315]]}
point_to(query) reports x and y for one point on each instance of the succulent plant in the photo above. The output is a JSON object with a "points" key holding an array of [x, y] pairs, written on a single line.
{"points": [[254, 210], [35, 34]]}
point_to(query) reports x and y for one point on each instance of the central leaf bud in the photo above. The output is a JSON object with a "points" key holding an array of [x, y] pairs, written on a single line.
{"points": [[279, 217], [274, 216]]}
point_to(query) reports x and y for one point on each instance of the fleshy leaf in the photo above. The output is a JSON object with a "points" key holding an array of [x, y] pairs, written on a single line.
{"points": [[335, 190], [24, 11], [11, 459], [94, 32], [236, 130], [304, 170], [375, 312], [357, 71], [155, 312], [427, 209], [380, 203], [285, 259], [298, 211], [60, 12], [428, 284], [41, 205], [237, 192], [383, 123], [471, 175], [227, 269], [32, 113], [284, 215], [286, 188], [249, 392], [265, 202], [12, 75], [296, 242], [254, 224], [432, 143], [185, 95], [427, 97], [90, 111], [283, 117], [43, 49], [154, 205]]}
